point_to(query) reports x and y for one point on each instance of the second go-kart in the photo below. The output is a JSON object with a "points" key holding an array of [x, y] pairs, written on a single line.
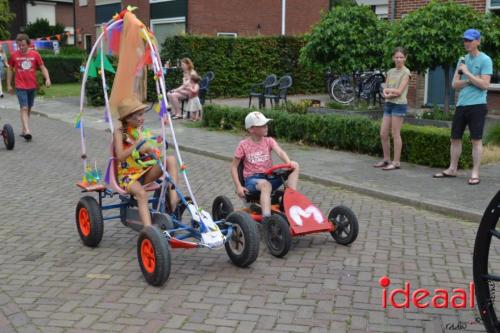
{"points": [[293, 214], [8, 136], [172, 228]]}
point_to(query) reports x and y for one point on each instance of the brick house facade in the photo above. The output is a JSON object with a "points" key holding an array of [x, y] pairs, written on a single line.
{"points": [[207, 17], [55, 11]]}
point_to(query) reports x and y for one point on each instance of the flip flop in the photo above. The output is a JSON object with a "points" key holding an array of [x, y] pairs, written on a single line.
{"points": [[473, 181], [381, 164], [391, 166], [443, 175]]}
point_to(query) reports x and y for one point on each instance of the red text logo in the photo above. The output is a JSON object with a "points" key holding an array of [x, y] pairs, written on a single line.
{"points": [[423, 298]]}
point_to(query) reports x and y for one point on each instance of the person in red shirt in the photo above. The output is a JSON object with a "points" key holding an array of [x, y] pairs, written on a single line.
{"points": [[24, 63]]}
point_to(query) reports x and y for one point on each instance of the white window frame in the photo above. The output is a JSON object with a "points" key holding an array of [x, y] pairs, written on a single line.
{"points": [[178, 19], [157, 1], [227, 34], [489, 7], [106, 2]]}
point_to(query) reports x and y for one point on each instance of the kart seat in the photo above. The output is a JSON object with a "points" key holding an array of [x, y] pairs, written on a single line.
{"points": [[255, 196], [112, 171]]}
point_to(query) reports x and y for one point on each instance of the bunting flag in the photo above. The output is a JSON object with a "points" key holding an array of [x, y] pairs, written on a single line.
{"points": [[78, 120], [107, 64]]}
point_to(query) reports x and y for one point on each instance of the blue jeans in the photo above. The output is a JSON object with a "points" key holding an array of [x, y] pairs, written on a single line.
{"points": [[251, 182], [26, 97], [395, 110]]}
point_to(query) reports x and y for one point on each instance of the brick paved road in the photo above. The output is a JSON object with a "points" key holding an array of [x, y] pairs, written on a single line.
{"points": [[50, 282]]}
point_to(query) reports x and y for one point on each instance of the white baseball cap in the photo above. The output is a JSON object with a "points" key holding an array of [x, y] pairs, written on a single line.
{"points": [[256, 118]]}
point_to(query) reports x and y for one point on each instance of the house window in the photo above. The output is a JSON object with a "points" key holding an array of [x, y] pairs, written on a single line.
{"points": [[105, 12], [227, 34], [168, 27]]}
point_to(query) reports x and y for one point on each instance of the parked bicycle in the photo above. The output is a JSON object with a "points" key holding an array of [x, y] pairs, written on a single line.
{"points": [[367, 86]]}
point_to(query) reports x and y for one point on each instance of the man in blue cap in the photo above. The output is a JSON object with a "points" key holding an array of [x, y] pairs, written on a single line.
{"points": [[472, 78]]}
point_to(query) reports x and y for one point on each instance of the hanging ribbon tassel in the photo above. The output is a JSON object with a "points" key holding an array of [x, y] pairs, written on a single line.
{"points": [[78, 120]]}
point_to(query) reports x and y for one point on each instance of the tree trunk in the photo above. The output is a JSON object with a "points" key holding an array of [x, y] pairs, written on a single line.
{"points": [[446, 70]]}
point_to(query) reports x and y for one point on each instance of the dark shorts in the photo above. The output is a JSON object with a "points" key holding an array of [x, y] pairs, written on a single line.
{"points": [[251, 182], [395, 110], [26, 97], [472, 116]]}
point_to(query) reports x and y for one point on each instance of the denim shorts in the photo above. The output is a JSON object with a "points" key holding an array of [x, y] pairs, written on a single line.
{"points": [[26, 97], [393, 109], [251, 182]]}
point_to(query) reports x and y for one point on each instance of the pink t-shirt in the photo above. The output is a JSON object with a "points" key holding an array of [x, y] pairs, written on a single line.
{"points": [[256, 156]]}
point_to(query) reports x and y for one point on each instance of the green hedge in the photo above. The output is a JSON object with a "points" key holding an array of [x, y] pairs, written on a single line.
{"points": [[421, 145], [240, 62], [63, 68]]}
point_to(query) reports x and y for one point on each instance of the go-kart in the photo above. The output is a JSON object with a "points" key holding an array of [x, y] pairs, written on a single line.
{"points": [[8, 136], [237, 232], [292, 214], [171, 227]]}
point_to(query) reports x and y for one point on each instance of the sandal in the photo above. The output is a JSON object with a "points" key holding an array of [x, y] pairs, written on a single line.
{"points": [[473, 181], [391, 166], [443, 175], [381, 164]]}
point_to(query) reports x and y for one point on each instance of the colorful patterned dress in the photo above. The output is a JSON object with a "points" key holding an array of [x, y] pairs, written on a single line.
{"points": [[130, 170]]}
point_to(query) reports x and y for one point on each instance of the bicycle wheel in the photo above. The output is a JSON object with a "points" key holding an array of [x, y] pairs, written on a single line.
{"points": [[486, 261], [342, 91]]}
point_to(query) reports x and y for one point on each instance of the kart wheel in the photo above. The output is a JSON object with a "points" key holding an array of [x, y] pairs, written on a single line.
{"points": [[278, 237], [346, 225], [153, 254], [221, 208], [8, 137], [243, 247], [485, 266], [89, 221]]}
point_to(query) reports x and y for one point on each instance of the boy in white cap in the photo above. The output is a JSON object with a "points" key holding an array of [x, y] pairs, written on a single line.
{"points": [[256, 154]]}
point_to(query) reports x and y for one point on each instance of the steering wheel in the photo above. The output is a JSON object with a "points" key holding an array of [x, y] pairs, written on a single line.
{"points": [[280, 170]]}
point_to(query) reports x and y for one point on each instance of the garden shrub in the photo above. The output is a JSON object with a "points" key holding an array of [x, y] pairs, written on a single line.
{"points": [[240, 62], [421, 145], [493, 136], [63, 68]]}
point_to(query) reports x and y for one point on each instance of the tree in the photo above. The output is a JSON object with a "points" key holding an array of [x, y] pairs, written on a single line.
{"points": [[42, 28], [335, 3], [346, 39], [6, 16], [432, 35]]}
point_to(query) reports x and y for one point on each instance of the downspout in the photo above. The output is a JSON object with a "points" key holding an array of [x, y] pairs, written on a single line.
{"points": [[283, 16], [74, 23], [393, 10]]}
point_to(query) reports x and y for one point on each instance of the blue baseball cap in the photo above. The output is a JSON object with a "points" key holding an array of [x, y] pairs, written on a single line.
{"points": [[472, 34]]}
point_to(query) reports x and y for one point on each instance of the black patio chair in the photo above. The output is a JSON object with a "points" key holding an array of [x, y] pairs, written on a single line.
{"points": [[260, 89], [210, 76], [282, 86]]}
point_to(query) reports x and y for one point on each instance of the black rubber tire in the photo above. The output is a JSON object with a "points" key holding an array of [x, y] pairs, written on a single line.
{"points": [[89, 221], [480, 258], [277, 234], [8, 136], [153, 254], [243, 247], [341, 92], [346, 225], [221, 208]]}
